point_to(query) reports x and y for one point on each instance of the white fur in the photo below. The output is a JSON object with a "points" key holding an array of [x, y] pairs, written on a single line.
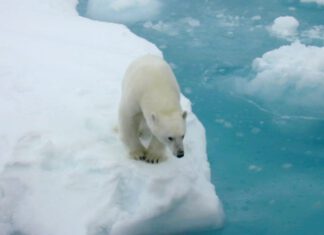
{"points": [[150, 93]]}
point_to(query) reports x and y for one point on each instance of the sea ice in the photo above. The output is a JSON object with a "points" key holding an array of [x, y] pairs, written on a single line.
{"points": [[63, 169], [285, 27], [292, 74]]}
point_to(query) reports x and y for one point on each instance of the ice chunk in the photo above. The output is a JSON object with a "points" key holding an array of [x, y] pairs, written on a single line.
{"points": [[285, 27], [292, 74], [123, 11]]}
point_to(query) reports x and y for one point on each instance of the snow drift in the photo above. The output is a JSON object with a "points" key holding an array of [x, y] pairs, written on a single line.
{"points": [[63, 169]]}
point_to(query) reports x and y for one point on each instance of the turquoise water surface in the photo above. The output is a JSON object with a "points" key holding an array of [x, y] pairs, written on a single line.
{"points": [[267, 161]]}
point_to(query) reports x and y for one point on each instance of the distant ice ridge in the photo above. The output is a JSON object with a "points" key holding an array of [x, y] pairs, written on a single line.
{"points": [[285, 27], [123, 11], [292, 74], [63, 169], [319, 2]]}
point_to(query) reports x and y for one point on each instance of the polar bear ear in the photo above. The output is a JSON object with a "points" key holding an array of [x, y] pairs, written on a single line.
{"points": [[184, 115]]}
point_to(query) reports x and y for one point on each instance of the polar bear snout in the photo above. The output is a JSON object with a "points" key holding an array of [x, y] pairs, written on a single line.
{"points": [[180, 154], [176, 146]]}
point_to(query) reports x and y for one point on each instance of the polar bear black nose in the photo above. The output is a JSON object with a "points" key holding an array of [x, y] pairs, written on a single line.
{"points": [[180, 154]]}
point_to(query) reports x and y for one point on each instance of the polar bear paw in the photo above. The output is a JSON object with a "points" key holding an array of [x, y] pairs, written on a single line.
{"points": [[138, 154], [152, 157]]}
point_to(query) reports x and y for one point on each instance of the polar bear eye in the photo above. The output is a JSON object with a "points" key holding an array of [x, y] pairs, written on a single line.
{"points": [[170, 138], [182, 137]]}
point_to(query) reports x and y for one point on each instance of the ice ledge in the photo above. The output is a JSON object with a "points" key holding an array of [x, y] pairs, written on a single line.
{"points": [[63, 169], [174, 196]]}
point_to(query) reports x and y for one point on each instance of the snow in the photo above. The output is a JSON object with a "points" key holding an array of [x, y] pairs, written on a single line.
{"points": [[123, 11], [63, 169], [319, 2], [284, 27], [292, 74]]}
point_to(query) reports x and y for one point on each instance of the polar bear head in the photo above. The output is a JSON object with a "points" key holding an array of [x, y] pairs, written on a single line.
{"points": [[170, 130]]}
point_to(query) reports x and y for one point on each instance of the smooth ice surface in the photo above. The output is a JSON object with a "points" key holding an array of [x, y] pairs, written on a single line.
{"points": [[63, 169], [266, 156]]}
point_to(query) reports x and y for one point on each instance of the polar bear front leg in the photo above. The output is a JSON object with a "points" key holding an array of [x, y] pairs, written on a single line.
{"points": [[155, 151], [129, 133]]}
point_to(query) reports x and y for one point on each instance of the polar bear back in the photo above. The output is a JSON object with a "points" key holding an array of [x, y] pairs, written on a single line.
{"points": [[150, 81]]}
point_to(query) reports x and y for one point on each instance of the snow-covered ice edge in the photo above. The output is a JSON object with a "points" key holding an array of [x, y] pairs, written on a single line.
{"points": [[63, 169]]}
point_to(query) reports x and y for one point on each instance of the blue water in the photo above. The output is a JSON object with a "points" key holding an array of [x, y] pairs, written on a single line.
{"points": [[268, 170]]}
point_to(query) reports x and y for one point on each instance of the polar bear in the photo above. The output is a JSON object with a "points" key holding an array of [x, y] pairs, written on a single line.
{"points": [[151, 95]]}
